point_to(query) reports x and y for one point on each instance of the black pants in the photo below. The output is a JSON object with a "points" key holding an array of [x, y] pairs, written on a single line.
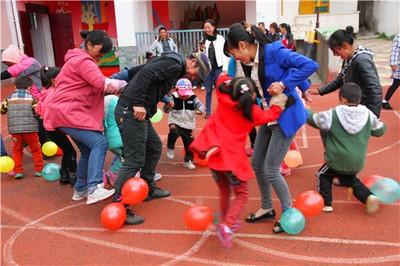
{"points": [[175, 132], [43, 134], [253, 135], [326, 175], [68, 161], [142, 148], [392, 89]]}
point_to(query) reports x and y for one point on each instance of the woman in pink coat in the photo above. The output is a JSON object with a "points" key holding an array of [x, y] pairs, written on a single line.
{"points": [[77, 108]]}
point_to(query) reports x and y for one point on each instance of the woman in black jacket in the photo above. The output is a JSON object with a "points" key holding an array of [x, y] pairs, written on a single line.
{"points": [[358, 66]]}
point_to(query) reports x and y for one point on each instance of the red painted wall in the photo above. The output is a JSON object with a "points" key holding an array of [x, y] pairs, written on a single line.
{"points": [[161, 14]]}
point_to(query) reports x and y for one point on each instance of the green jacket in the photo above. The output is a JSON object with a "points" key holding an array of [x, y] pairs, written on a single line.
{"points": [[348, 129]]}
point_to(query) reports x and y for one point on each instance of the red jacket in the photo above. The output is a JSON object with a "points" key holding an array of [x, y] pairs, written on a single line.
{"points": [[227, 130]]}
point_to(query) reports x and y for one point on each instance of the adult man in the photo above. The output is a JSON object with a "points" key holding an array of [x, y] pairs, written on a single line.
{"points": [[163, 44], [142, 145]]}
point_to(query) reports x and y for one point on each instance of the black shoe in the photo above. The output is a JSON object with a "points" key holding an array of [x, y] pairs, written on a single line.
{"points": [[132, 219], [277, 228], [64, 177], [158, 193], [252, 218], [387, 106]]}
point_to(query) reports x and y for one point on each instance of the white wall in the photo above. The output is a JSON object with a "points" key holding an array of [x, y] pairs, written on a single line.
{"points": [[267, 11], [132, 17], [251, 11], [386, 16], [343, 6]]}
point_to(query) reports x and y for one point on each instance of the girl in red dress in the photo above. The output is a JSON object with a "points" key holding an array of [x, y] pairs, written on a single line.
{"points": [[222, 141]]}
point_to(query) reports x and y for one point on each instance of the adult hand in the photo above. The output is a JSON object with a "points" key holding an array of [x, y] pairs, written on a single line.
{"points": [[276, 88], [313, 91], [139, 112], [306, 96]]}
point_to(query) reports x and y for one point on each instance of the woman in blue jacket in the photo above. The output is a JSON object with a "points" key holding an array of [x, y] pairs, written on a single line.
{"points": [[278, 70]]}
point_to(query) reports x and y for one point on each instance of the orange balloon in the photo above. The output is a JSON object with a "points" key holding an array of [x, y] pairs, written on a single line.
{"points": [[199, 161], [134, 191], [310, 203], [198, 218], [371, 180], [113, 215], [293, 159]]}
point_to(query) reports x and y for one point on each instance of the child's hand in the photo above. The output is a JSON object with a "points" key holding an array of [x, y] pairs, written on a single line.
{"points": [[279, 100], [306, 96], [275, 88]]}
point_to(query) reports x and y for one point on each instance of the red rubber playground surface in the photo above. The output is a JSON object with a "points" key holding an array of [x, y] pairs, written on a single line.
{"points": [[41, 225]]}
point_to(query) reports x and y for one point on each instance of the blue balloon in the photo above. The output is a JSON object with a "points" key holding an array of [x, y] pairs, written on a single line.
{"points": [[51, 172], [386, 190], [292, 221]]}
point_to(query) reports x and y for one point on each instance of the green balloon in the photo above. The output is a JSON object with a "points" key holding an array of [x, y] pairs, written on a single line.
{"points": [[157, 117], [51, 172]]}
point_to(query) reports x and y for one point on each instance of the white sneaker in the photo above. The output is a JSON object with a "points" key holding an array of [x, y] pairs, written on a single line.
{"points": [[99, 194], [157, 177], [189, 165], [327, 209], [372, 204], [170, 154], [79, 195]]}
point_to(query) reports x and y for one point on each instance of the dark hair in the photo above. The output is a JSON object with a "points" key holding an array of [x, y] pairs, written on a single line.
{"points": [[162, 28], [213, 23], [286, 27], [99, 37], [47, 74], [244, 32], [261, 23], [241, 90], [351, 92], [23, 82], [341, 36], [84, 33], [275, 26]]}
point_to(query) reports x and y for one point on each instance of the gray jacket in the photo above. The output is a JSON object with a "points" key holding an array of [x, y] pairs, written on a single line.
{"points": [[183, 112], [157, 48]]}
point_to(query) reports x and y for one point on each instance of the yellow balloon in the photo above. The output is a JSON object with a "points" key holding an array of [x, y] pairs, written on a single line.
{"points": [[293, 159], [6, 164], [49, 148]]}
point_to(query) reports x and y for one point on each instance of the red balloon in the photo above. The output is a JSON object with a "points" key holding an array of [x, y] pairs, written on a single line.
{"points": [[371, 180], [199, 161], [198, 218], [310, 203], [134, 191], [59, 152], [113, 215]]}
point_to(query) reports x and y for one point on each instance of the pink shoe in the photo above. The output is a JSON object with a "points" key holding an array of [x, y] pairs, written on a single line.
{"points": [[236, 226], [225, 235], [11, 173], [249, 152]]}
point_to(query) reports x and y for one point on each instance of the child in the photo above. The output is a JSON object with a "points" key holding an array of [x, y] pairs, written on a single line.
{"points": [[222, 142], [23, 125], [68, 161], [182, 120], [348, 127]]}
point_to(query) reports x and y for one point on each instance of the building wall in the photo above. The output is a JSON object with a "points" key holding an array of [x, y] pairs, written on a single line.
{"points": [[6, 38], [386, 16]]}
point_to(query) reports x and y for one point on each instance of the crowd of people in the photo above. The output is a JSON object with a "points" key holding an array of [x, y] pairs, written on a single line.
{"points": [[261, 83]]}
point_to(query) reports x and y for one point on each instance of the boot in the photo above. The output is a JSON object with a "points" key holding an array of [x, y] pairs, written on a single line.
{"points": [[72, 178], [64, 177]]}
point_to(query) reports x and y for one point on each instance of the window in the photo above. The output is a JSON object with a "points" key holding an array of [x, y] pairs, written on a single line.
{"points": [[310, 6]]}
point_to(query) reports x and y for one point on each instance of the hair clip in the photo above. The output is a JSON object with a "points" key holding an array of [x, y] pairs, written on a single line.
{"points": [[244, 88], [46, 68]]}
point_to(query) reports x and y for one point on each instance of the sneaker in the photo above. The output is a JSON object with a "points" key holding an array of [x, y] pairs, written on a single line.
{"points": [[327, 209], [133, 219], [189, 165], [158, 193], [157, 177], [194, 87], [249, 152], [372, 204], [198, 112], [236, 226], [202, 88], [99, 194], [18, 176], [170, 154], [387, 106], [38, 174], [79, 195], [225, 235]]}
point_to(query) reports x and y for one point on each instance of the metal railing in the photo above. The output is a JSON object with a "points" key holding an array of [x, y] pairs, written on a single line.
{"points": [[186, 40]]}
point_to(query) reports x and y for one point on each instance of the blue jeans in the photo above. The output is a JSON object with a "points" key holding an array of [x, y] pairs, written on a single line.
{"points": [[3, 147], [208, 83], [93, 147], [270, 148]]}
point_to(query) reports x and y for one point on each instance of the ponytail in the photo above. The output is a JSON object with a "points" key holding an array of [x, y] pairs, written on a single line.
{"points": [[341, 36], [47, 74], [246, 32]]}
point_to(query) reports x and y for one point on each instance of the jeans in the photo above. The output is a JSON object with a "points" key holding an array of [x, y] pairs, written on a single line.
{"points": [[3, 147], [93, 147], [270, 148], [142, 148], [208, 83]]}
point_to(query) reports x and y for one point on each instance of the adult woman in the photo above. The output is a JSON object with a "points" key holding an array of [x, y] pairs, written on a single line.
{"points": [[279, 69], [358, 66], [274, 33], [77, 108], [214, 47]]}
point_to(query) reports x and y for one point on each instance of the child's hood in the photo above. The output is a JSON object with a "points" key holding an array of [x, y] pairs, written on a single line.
{"points": [[352, 118]]}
